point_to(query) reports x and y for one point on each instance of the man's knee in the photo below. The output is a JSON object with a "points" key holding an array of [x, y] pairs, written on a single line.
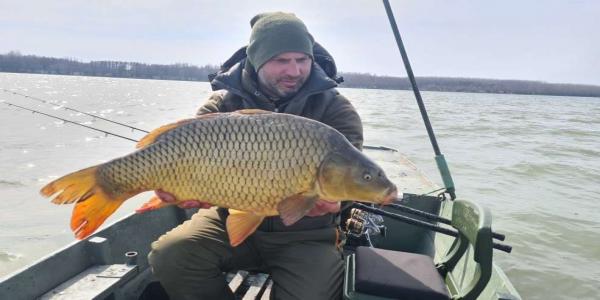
{"points": [[188, 266], [197, 241], [175, 254], [164, 256]]}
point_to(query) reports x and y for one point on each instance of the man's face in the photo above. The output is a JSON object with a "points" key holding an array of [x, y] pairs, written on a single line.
{"points": [[283, 75]]}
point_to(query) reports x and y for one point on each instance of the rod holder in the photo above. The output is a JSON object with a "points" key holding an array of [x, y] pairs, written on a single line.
{"points": [[131, 258]]}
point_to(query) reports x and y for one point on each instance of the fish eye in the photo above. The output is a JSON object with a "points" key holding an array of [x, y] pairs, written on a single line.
{"points": [[367, 177]]}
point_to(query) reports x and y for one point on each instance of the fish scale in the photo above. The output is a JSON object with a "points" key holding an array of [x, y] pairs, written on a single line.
{"points": [[293, 168]]}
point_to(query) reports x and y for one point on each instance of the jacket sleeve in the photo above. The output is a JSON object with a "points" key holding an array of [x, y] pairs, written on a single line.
{"points": [[342, 116], [212, 104]]}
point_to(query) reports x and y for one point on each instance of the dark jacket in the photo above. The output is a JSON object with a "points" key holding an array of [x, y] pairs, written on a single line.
{"points": [[237, 88]]}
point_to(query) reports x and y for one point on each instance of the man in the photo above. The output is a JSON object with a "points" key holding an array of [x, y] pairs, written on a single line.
{"points": [[279, 74]]}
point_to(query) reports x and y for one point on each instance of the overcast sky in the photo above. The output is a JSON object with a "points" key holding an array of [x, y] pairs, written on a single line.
{"points": [[554, 41]]}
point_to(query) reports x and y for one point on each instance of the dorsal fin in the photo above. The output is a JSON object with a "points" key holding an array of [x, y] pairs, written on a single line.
{"points": [[252, 111], [154, 134]]}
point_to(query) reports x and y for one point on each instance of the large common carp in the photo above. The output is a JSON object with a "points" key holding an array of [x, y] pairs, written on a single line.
{"points": [[255, 163]]}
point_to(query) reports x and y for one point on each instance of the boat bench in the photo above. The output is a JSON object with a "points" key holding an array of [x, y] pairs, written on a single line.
{"points": [[96, 282], [250, 286], [103, 281], [378, 274]]}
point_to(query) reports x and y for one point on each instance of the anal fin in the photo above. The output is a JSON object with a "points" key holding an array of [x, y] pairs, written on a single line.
{"points": [[240, 225]]}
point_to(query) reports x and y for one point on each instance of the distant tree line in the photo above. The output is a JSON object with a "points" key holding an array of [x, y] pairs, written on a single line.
{"points": [[16, 63], [471, 85]]}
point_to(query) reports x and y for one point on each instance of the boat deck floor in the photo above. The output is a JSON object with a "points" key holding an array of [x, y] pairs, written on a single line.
{"points": [[249, 285], [245, 285]]}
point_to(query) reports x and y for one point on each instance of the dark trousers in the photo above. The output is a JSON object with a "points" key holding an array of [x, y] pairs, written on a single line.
{"points": [[190, 260]]}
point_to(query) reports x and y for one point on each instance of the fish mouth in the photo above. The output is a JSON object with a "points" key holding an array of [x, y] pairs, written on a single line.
{"points": [[390, 196]]}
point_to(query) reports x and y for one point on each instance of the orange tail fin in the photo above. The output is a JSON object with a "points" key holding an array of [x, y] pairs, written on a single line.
{"points": [[92, 204]]}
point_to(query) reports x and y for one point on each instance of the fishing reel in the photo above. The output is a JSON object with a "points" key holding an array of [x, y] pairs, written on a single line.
{"points": [[362, 228]]}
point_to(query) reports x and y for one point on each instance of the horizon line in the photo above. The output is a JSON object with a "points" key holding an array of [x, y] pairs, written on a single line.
{"points": [[18, 53]]}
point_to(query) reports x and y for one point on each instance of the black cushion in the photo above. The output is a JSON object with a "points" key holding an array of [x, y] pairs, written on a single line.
{"points": [[398, 275]]}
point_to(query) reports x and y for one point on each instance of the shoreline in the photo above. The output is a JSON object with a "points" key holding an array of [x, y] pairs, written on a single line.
{"points": [[422, 86]]}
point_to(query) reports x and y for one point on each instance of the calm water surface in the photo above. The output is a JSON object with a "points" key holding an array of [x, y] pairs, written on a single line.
{"points": [[533, 160]]}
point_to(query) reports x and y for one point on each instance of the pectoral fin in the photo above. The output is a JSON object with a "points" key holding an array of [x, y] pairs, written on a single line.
{"points": [[240, 225], [294, 208]]}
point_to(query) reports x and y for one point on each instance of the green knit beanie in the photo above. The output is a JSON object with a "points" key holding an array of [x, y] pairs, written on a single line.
{"points": [[275, 33]]}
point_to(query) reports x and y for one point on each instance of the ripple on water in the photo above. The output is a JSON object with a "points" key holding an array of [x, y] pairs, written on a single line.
{"points": [[10, 183], [585, 121], [535, 170], [571, 132], [8, 257], [554, 151], [554, 248], [529, 169]]}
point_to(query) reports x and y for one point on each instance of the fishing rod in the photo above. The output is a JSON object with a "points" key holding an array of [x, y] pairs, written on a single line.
{"points": [[125, 125], [111, 121], [433, 217], [439, 157], [434, 227], [74, 110], [69, 121]]}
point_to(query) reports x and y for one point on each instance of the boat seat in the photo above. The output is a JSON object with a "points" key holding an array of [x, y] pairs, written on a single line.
{"points": [[389, 274], [373, 273]]}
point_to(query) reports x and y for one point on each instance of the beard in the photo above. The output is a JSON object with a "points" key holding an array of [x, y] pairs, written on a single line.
{"points": [[282, 87]]}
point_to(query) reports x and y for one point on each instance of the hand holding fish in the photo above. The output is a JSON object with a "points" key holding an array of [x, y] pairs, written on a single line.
{"points": [[170, 198], [322, 207], [162, 199]]}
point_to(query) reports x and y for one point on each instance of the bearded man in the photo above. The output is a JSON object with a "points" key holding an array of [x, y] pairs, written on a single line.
{"points": [[279, 73]]}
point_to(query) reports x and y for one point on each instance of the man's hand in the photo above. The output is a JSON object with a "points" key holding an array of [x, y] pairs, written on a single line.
{"points": [[169, 198], [323, 207]]}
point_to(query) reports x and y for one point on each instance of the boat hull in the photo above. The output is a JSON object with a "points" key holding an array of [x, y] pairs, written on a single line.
{"points": [[66, 273]]}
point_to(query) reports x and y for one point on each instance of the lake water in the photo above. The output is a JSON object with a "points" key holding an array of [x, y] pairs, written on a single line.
{"points": [[533, 160]]}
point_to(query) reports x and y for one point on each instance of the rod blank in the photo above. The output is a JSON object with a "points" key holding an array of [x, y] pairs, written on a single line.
{"points": [[75, 110], [68, 121], [434, 217], [433, 227]]}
